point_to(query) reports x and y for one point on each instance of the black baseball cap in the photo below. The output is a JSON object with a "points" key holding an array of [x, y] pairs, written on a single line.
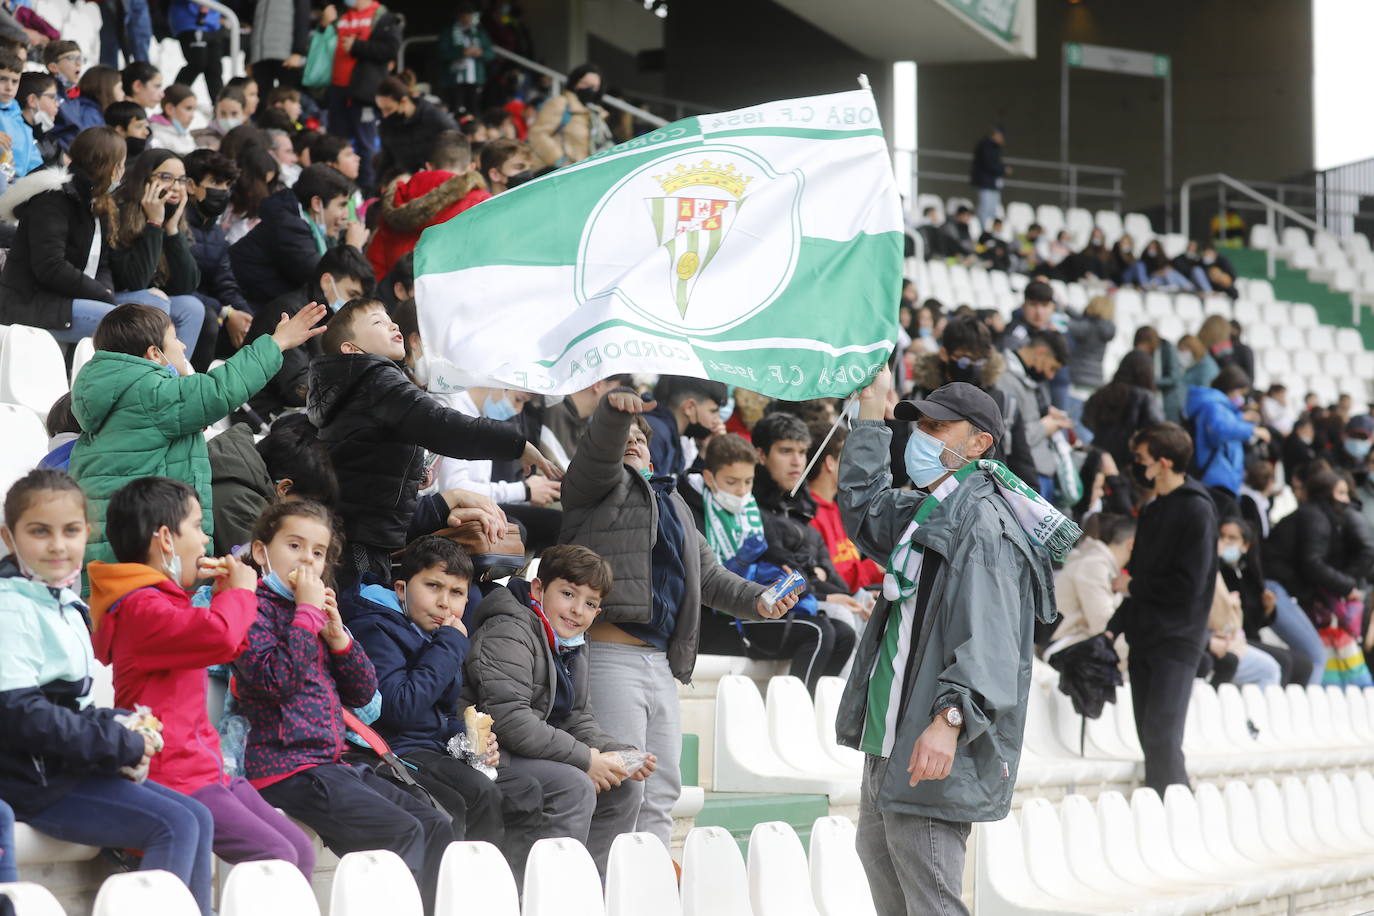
{"points": [[957, 401]]}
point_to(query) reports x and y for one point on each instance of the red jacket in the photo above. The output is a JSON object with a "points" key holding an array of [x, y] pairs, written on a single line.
{"points": [[160, 645], [410, 206], [856, 571]]}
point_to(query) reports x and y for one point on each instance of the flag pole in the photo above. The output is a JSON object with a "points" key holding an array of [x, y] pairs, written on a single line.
{"points": [[824, 442], [863, 81]]}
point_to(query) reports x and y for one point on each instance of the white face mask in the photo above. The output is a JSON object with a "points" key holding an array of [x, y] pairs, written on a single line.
{"points": [[419, 370], [728, 501], [43, 120]]}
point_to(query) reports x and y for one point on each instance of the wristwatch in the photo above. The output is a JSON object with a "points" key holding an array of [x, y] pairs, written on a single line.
{"points": [[952, 717]]}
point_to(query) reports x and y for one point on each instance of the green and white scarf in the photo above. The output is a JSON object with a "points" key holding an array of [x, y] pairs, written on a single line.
{"points": [[726, 531], [1043, 524]]}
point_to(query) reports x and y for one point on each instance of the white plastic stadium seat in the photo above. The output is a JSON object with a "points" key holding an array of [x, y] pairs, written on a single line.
{"points": [[1080, 223], [81, 355], [1261, 291], [474, 878], [640, 877], [1050, 218], [745, 758], [1020, 216], [792, 729], [270, 888], [1293, 240], [154, 891], [1137, 226], [779, 877], [31, 899], [32, 372], [1262, 236], [931, 200], [26, 442], [838, 882], [376, 881], [560, 880], [1109, 221], [1348, 340], [1188, 307], [714, 880], [829, 690]]}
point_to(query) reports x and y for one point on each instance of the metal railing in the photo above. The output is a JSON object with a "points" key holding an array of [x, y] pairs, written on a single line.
{"points": [[1272, 207], [557, 79], [235, 30], [1066, 182]]}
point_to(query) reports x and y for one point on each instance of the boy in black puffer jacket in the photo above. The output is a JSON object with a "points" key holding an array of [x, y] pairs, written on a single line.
{"points": [[377, 425]]}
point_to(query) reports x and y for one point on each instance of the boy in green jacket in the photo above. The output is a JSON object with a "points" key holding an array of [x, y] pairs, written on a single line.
{"points": [[143, 412]]}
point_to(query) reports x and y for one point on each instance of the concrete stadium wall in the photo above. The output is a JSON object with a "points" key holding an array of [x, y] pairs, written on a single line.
{"points": [[1242, 92]]}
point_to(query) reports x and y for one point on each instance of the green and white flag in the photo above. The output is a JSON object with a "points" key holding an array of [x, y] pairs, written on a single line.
{"points": [[760, 247]]}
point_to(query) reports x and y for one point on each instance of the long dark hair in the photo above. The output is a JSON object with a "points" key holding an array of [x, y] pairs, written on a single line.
{"points": [[130, 220], [1137, 371], [252, 186], [96, 153]]}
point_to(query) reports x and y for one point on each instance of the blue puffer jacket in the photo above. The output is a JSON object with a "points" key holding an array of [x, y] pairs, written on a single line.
{"points": [[1220, 434], [53, 736], [73, 117], [418, 674], [187, 16]]}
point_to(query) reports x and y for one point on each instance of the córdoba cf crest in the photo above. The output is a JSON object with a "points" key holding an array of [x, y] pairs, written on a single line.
{"points": [[692, 228]]}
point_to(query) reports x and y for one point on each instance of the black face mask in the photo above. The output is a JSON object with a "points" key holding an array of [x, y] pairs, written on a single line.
{"points": [[519, 178], [972, 374], [134, 147], [215, 203], [695, 430], [1035, 375], [168, 209], [588, 96], [1138, 475]]}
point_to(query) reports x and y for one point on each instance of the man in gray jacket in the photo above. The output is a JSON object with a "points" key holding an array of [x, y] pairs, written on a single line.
{"points": [[937, 696]]}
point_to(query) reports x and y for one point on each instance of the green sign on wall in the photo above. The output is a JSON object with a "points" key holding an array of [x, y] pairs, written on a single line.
{"points": [[996, 16], [1116, 60]]}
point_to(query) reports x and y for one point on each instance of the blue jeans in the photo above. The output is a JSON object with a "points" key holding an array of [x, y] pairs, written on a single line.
{"points": [[86, 315], [989, 199], [9, 870], [174, 832], [188, 313], [135, 28], [1257, 668], [1293, 627]]}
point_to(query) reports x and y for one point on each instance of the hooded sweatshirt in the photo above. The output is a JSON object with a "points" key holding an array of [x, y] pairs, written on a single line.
{"points": [[160, 645], [418, 673], [1173, 571]]}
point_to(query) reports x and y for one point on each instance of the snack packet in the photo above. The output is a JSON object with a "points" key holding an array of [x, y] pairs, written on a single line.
{"points": [[142, 721]]}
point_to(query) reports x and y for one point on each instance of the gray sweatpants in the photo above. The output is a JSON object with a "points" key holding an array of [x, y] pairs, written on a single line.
{"points": [[634, 699], [574, 809], [915, 864]]}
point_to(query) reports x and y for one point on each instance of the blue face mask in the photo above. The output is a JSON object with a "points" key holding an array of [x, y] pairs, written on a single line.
{"points": [[922, 458], [278, 585], [571, 642], [646, 473], [1230, 554], [727, 410], [1358, 448], [338, 301], [172, 371], [494, 409]]}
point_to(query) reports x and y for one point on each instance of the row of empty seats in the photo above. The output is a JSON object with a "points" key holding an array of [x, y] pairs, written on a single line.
{"points": [[1299, 843], [1018, 217], [560, 880]]}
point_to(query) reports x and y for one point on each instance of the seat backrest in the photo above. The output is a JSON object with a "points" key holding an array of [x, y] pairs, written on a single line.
{"points": [[1348, 813], [270, 888], [1364, 792], [1083, 845], [1119, 841], [1300, 712], [26, 442], [1233, 717], [1216, 823], [1043, 846], [154, 891], [714, 880], [30, 899], [1184, 823], [1243, 821], [792, 723], [829, 691], [1262, 236], [1297, 808], [474, 877], [640, 877], [838, 883], [779, 877], [1325, 822], [81, 355], [561, 880], [1152, 835], [366, 883], [1295, 239], [1273, 819], [32, 370]]}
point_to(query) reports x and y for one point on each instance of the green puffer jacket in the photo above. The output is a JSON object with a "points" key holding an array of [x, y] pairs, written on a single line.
{"points": [[139, 421], [976, 643], [611, 509]]}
